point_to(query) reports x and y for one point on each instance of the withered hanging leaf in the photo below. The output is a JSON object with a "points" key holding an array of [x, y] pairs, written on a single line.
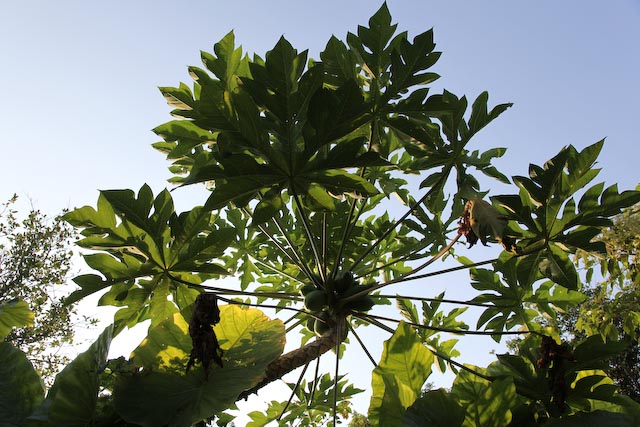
{"points": [[205, 343], [557, 358], [480, 220]]}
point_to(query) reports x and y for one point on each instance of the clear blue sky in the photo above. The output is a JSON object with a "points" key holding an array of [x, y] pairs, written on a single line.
{"points": [[79, 79]]}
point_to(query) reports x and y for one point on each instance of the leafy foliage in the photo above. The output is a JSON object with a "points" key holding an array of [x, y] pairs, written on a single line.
{"points": [[302, 158], [73, 398], [315, 401], [397, 380]]}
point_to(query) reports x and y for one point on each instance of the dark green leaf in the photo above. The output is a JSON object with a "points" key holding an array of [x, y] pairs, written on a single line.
{"points": [[435, 408], [72, 399], [21, 389]]}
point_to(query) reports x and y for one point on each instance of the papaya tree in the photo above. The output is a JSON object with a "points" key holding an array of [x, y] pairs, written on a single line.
{"points": [[328, 181]]}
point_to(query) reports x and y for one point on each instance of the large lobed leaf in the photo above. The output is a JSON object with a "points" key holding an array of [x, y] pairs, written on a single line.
{"points": [[162, 394], [554, 225], [147, 251]]}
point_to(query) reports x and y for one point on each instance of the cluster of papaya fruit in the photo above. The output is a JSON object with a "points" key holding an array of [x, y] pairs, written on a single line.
{"points": [[325, 301]]}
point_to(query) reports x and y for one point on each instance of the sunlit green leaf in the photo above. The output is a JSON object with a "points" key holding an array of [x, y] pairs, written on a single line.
{"points": [[397, 381], [14, 313], [163, 395], [485, 403]]}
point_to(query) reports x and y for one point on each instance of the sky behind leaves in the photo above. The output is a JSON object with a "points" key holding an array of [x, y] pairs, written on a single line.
{"points": [[80, 79]]}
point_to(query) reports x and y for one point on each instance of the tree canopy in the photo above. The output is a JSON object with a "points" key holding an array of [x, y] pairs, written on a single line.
{"points": [[614, 297], [35, 259], [305, 159]]}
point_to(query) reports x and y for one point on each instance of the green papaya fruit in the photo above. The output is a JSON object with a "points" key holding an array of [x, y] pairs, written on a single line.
{"points": [[308, 288], [343, 281], [311, 322], [365, 303], [315, 300], [321, 327]]}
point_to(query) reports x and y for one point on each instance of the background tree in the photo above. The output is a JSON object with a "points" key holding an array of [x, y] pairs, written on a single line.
{"points": [[359, 420], [612, 308], [35, 259]]}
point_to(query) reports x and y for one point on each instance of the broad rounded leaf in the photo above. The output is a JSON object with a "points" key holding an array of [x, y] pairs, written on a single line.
{"points": [[485, 403], [166, 396]]}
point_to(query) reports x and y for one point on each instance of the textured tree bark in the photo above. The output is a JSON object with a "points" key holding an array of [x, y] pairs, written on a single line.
{"points": [[295, 359]]}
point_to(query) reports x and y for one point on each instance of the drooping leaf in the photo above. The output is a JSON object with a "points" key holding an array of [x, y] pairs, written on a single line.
{"points": [[72, 399], [21, 389]]}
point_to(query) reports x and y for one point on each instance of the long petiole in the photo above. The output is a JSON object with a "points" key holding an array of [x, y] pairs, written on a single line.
{"points": [[293, 392], [336, 378], [324, 242], [295, 258], [428, 262], [403, 217], [366, 351], [302, 265], [392, 262], [421, 276], [446, 270], [275, 269], [307, 230], [373, 322], [224, 291], [315, 381], [458, 364], [250, 304], [345, 236], [404, 276], [295, 325], [444, 300], [449, 330], [351, 221]]}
